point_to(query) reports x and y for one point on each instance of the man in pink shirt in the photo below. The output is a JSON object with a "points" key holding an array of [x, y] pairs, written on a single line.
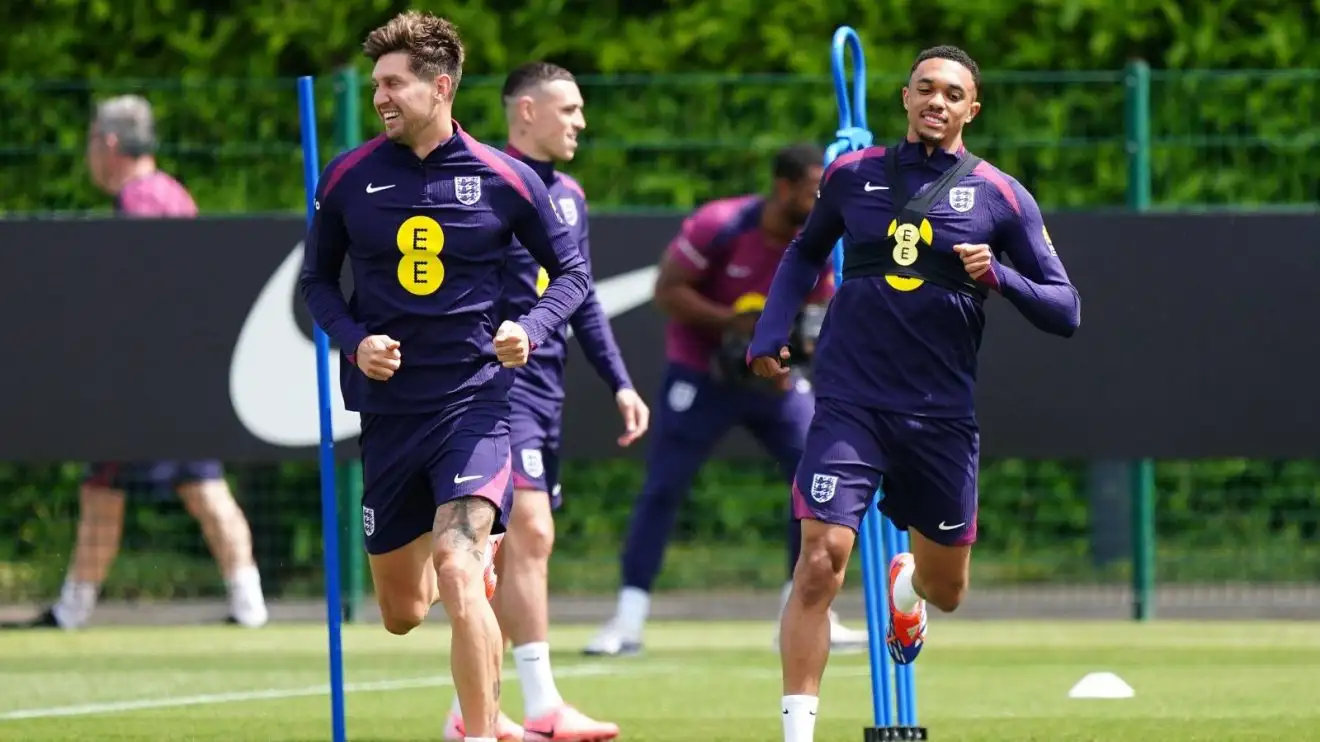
{"points": [[713, 280], [120, 156]]}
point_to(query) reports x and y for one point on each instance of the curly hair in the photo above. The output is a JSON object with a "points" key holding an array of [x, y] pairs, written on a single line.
{"points": [[432, 44]]}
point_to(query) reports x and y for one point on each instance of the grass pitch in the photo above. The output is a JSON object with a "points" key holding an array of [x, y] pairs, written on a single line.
{"points": [[977, 682]]}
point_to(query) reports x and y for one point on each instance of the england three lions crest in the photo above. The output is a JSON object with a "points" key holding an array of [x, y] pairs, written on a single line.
{"points": [[962, 199], [467, 189], [568, 208]]}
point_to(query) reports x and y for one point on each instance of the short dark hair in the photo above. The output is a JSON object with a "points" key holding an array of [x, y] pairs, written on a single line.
{"points": [[531, 74], [792, 163], [953, 54], [432, 44]]}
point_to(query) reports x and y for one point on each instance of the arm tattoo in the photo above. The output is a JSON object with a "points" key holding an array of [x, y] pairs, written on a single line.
{"points": [[464, 525]]}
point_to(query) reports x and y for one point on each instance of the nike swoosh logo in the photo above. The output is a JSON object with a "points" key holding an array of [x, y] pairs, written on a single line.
{"points": [[460, 480], [272, 373], [625, 292], [950, 528], [868, 187], [378, 189]]}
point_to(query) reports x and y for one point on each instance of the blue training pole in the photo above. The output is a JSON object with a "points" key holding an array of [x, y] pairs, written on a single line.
{"points": [[329, 502], [851, 136], [880, 540]]}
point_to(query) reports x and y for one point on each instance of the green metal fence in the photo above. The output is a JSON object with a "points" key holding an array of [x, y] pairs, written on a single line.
{"points": [[1094, 537], [1211, 139]]}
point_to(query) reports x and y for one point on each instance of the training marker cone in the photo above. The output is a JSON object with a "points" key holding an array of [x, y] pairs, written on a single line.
{"points": [[1101, 685]]}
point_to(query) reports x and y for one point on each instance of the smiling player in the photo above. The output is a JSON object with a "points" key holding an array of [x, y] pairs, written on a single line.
{"points": [[544, 110], [429, 218], [925, 224]]}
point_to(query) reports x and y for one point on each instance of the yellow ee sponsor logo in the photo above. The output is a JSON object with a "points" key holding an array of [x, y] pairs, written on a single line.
{"points": [[907, 241], [421, 239]]}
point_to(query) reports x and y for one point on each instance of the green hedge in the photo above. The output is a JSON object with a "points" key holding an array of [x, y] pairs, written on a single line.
{"points": [[221, 77], [1216, 521]]}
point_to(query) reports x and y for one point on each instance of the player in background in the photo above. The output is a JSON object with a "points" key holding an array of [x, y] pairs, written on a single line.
{"points": [[713, 278], [544, 111], [925, 225], [429, 219], [120, 155]]}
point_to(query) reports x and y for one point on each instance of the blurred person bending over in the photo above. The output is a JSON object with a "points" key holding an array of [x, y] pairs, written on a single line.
{"points": [[925, 225], [429, 219], [120, 157], [544, 110], [712, 284]]}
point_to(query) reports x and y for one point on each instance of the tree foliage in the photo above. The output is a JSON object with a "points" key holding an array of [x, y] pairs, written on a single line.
{"points": [[685, 98]]}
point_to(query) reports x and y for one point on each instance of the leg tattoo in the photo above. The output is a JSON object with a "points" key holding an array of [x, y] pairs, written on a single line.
{"points": [[464, 525]]}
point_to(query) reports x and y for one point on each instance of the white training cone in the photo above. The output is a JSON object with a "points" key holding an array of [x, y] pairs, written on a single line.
{"points": [[1101, 685]]}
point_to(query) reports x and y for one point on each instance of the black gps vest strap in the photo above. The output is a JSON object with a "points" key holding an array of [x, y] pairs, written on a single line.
{"points": [[911, 211], [942, 269]]}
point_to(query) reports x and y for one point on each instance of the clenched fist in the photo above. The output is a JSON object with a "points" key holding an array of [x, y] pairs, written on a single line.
{"points": [[772, 368], [378, 357], [512, 347], [976, 259]]}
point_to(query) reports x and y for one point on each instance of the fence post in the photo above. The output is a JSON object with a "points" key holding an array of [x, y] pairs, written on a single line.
{"points": [[348, 133], [1142, 482]]}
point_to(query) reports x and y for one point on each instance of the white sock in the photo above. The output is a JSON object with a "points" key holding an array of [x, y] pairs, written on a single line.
{"points": [[480, 739], [799, 718], [905, 596], [540, 694], [634, 606], [76, 603], [246, 601]]}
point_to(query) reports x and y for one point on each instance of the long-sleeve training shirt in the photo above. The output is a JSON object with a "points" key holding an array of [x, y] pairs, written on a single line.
{"points": [[541, 382], [429, 242], [898, 343]]}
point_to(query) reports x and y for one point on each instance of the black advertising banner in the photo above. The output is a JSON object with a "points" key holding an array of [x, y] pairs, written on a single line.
{"points": [[186, 339]]}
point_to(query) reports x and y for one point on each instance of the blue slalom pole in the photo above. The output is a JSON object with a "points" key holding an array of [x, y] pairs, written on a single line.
{"points": [[893, 692], [329, 501], [851, 136]]}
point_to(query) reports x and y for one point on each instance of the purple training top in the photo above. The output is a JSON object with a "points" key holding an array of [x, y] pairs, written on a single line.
{"points": [[900, 344], [541, 382], [429, 242]]}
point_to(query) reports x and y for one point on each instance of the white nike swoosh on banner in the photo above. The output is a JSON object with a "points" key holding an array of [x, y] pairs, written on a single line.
{"points": [[272, 375], [625, 292]]}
